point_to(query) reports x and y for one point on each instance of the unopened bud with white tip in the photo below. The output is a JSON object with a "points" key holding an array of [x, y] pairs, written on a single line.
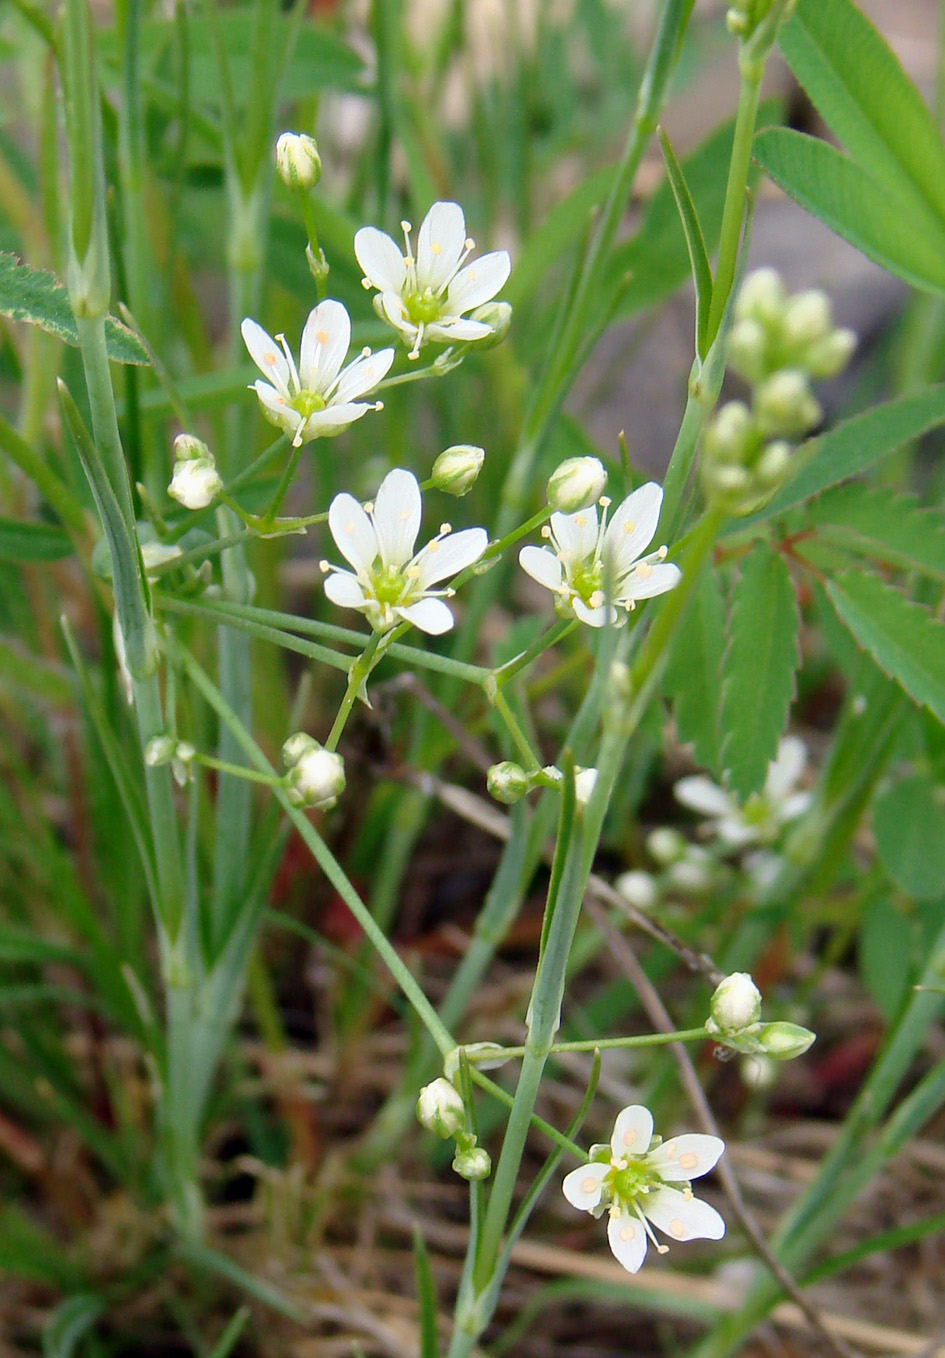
{"points": [[298, 162], [472, 1163], [456, 469], [316, 776], [785, 404], [576, 484], [498, 317], [735, 1004], [440, 1109], [195, 482], [507, 782], [585, 780]]}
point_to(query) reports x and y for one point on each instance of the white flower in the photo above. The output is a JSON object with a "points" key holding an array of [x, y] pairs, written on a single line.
{"points": [[425, 296], [638, 889], [761, 818], [195, 483], [639, 1180], [389, 583], [586, 557], [319, 398]]}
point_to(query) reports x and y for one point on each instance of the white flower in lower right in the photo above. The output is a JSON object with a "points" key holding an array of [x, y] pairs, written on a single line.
{"points": [[642, 1181]]}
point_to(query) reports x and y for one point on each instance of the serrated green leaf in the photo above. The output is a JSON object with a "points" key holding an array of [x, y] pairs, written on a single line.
{"points": [[884, 954], [68, 1322], [865, 97], [896, 229], [855, 445], [888, 528], [695, 241], [903, 637], [37, 297], [693, 677], [22, 540], [909, 825], [758, 669]]}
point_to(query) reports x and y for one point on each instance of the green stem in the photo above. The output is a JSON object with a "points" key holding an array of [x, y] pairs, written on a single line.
{"points": [[276, 504], [208, 761], [500, 703], [733, 213], [357, 677], [593, 1044]]}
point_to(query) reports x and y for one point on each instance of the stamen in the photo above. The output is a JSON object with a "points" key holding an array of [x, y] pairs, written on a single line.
{"points": [[324, 567], [444, 529], [546, 532], [366, 352], [415, 351], [660, 1249], [291, 362], [366, 284], [378, 405], [661, 552]]}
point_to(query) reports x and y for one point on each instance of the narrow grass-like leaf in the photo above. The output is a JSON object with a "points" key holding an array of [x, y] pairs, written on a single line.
{"points": [[426, 1296], [897, 230], [695, 241], [68, 1323], [758, 669], [903, 637], [22, 540], [886, 527], [39, 678], [27, 1250], [37, 297], [231, 1335], [693, 676], [865, 97]]}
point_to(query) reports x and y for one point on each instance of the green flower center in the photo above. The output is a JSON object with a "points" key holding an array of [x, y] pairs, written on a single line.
{"points": [[308, 402], [389, 584], [624, 1185], [756, 812], [422, 307], [587, 579]]}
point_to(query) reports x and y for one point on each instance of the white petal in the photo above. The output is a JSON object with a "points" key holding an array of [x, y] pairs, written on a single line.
{"points": [[633, 1131], [362, 375], [786, 767], [353, 531], [440, 245], [658, 580], [331, 420], [393, 311], [445, 557], [430, 615], [479, 281], [397, 511], [734, 830], [381, 259], [682, 1218], [266, 354], [343, 589], [632, 528], [542, 565], [583, 1187], [627, 1240], [702, 795], [325, 342], [594, 617], [276, 408], [794, 806], [576, 534], [456, 330], [686, 1157]]}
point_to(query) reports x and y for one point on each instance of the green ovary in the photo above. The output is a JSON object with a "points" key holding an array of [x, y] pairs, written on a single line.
{"points": [[308, 403], [624, 1185], [422, 307], [587, 580], [389, 585]]}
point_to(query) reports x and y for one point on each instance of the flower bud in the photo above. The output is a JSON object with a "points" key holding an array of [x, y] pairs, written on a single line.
{"points": [[157, 554], [195, 483], [784, 404], [729, 435], [576, 484], [807, 318], [784, 1041], [473, 1163], [317, 264], [183, 758], [298, 161], [585, 781], [455, 470], [638, 889], [762, 297], [187, 447], [665, 845], [747, 349], [693, 873], [831, 354], [773, 463], [483, 1055], [159, 750], [316, 776], [735, 1004], [498, 317], [440, 1109], [507, 782]]}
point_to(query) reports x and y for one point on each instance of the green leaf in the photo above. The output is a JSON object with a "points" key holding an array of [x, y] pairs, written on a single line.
{"points": [[695, 242], [693, 676], [758, 669], [866, 98], [903, 637], [559, 230], [888, 528], [909, 825], [884, 954], [426, 1297], [855, 445], [24, 541], [897, 230], [37, 297], [68, 1323]]}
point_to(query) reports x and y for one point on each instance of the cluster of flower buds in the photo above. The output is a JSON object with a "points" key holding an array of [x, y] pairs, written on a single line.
{"points": [[457, 469], [778, 344], [735, 1020], [508, 782], [196, 482], [316, 776], [440, 1109], [167, 749]]}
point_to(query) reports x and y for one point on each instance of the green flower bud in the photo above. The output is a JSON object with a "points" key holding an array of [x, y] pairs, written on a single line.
{"points": [[187, 447], [196, 482], [807, 318], [456, 469], [747, 349], [316, 777], [507, 782], [496, 315], [761, 298], [784, 404], [440, 1109], [830, 355], [473, 1163], [785, 1041], [735, 1005], [159, 750], [576, 484], [298, 161], [729, 435]]}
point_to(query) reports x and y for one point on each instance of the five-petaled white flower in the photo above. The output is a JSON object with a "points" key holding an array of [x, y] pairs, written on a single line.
{"points": [[589, 558], [426, 295], [640, 1179], [761, 818], [319, 397], [390, 584]]}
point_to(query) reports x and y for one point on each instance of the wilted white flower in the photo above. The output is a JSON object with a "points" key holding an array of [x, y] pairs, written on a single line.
{"points": [[298, 162], [318, 398], [576, 484], [639, 1180], [761, 818], [389, 583], [587, 556], [426, 295], [195, 482]]}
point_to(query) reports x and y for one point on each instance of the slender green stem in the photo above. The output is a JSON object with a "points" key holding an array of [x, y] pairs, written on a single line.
{"points": [[508, 671], [500, 703], [281, 490], [593, 1044], [209, 761], [733, 213], [357, 677], [504, 1097]]}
